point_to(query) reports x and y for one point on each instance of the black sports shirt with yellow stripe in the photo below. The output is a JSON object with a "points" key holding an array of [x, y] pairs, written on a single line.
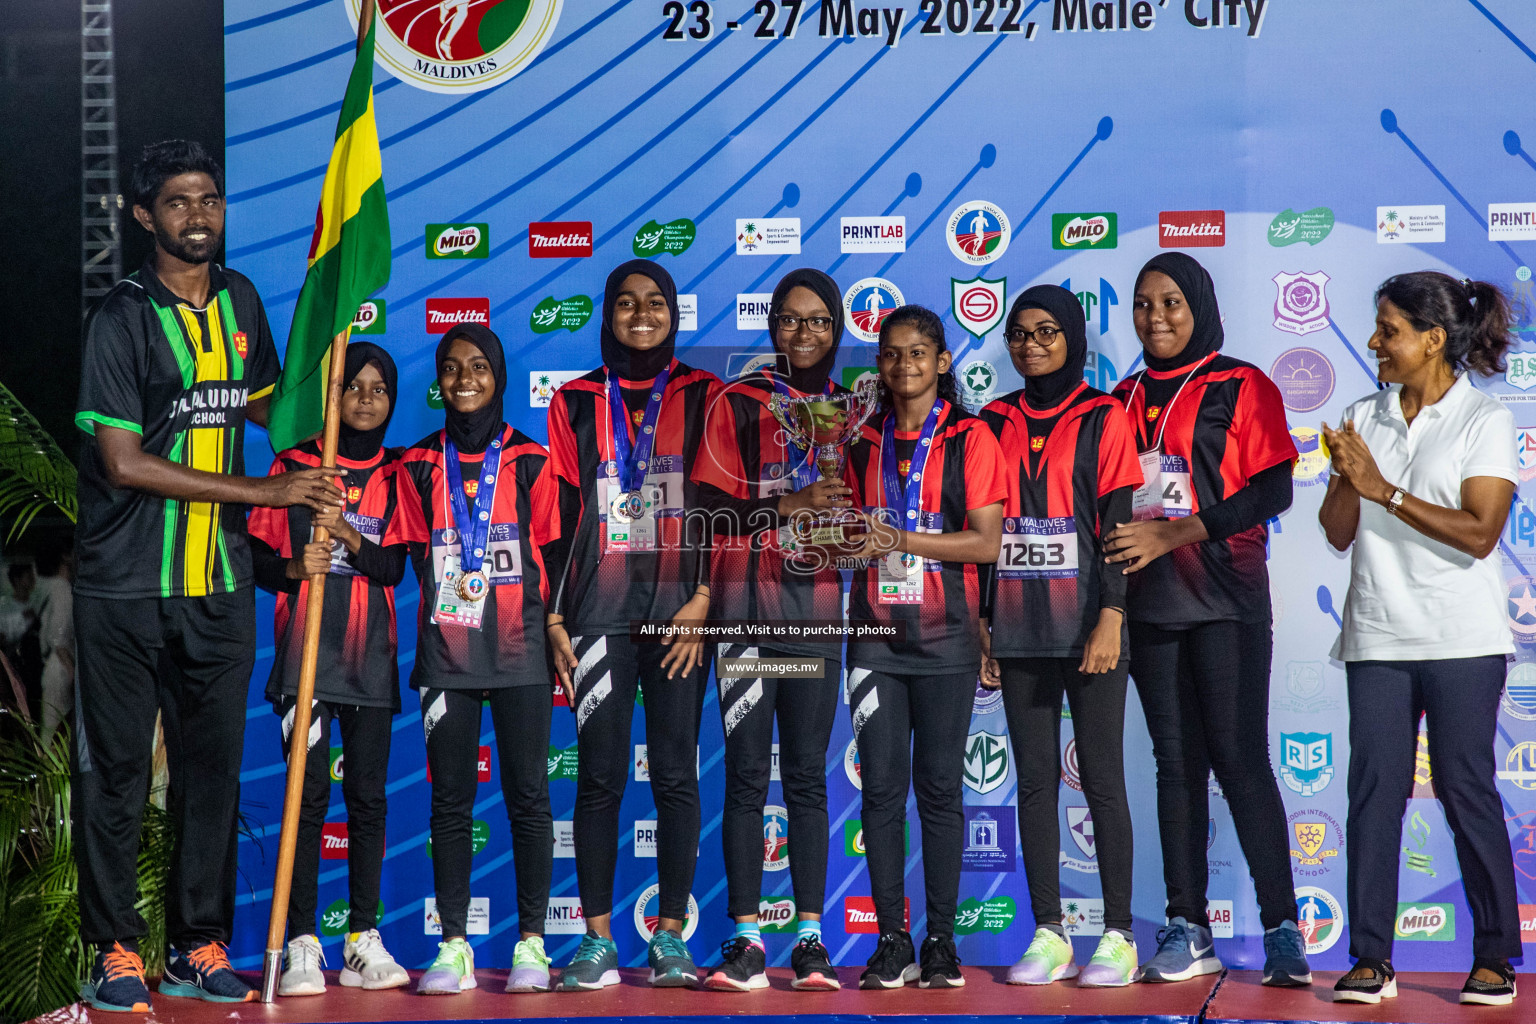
{"points": [[180, 377]]}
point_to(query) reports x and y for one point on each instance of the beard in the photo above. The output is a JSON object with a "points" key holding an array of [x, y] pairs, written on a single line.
{"points": [[189, 251]]}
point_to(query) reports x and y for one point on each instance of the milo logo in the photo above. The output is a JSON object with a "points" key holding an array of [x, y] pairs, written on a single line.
{"points": [[1083, 230], [458, 241], [776, 915], [1435, 922], [369, 318]]}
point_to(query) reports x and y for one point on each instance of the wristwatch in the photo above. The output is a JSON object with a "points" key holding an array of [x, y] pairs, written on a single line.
{"points": [[1395, 502]]}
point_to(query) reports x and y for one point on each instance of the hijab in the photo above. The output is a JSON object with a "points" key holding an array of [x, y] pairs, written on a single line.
{"points": [[1200, 293], [812, 379], [362, 445], [1050, 389], [626, 362], [473, 432]]}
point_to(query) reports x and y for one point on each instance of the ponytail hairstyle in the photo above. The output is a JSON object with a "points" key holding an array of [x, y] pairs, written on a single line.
{"points": [[1475, 316], [927, 323]]}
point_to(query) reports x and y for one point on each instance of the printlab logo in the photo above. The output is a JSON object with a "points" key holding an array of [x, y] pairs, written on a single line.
{"points": [[552, 314], [673, 237], [978, 384], [1414, 857], [1301, 305], [752, 311], [1319, 917], [1290, 227], [986, 762], [542, 385], [458, 241], [775, 838], [1519, 700], [1304, 683], [1219, 913], [776, 915], [369, 318], [1084, 230], [978, 232], [648, 913], [559, 239], [564, 916], [1104, 300], [1520, 765], [1433, 922], [444, 313], [645, 837], [1521, 607], [1190, 229], [768, 236], [1511, 222], [874, 234], [458, 46], [866, 305], [978, 303], [990, 840], [1306, 761], [1304, 377], [479, 922], [1318, 838], [1416, 224]]}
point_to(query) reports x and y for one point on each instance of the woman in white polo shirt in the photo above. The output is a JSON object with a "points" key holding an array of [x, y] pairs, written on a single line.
{"points": [[1423, 472]]}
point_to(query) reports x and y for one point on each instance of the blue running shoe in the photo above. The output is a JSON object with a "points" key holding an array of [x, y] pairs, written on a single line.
{"points": [[204, 973], [117, 981], [671, 963], [1184, 951], [595, 965], [1285, 957]]}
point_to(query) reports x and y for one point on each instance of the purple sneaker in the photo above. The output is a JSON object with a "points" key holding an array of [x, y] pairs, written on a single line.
{"points": [[1048, 959], [530, 966]]}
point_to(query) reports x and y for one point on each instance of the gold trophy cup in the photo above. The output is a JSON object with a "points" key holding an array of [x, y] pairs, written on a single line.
{"points": [[826, 424]]}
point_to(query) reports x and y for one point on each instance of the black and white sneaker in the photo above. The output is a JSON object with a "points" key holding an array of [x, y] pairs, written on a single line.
{"points": [[813, 967], [1380, 984], [1489, 993], [894, 963], [940, 963], [743, 967]]}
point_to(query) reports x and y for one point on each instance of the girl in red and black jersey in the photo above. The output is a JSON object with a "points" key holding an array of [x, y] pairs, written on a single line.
{"points": [[1057, 620], [1216, 463], [753, 480], [929, 477], [357, 681], [623, 440], [477, 505]]}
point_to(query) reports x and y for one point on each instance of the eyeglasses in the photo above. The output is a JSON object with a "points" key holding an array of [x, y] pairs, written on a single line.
{"points": [[1017, 337], [817, 324]]}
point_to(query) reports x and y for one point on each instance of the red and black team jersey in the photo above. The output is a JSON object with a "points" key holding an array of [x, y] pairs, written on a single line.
{"points": [[1069, 472], [508, 648], [357, 663], [1226, 426], [746, 457], [604, 590], [964, 471]]}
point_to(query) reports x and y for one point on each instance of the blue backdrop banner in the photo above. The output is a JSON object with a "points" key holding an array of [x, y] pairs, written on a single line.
{"points": [[949, 153]]}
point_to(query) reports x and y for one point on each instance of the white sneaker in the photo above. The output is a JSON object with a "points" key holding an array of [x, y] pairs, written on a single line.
{"points": [[302, 976], [368, 964]]}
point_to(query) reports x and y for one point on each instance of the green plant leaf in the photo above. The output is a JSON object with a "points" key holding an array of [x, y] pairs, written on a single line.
{"points": [[34, 471]]}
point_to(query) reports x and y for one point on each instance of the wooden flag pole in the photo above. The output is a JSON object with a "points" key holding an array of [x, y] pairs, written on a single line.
{"points": [[298, 735]]}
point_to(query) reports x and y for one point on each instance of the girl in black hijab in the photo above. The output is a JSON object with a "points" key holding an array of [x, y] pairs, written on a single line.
{"points": [[478, 509], [623, 440], [752, 479], [1056, 621], [1216, 460], [357, 683]]}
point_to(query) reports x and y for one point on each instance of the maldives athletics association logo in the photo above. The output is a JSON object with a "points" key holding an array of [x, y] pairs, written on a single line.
{"points": [[868, 303], [458, 46], [978, 232]]}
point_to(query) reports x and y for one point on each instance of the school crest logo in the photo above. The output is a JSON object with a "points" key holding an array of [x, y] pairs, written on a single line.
{"points": [[978, 303], [1037, 444], [241, 345], [868, 303], [978, 232], [354, 495], [459, 46], [1301, 305], [1306, 761], [986, 762]]}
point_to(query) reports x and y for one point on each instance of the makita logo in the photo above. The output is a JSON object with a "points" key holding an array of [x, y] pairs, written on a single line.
{"points": [[859, 915], [333, 840], [1179, 229], [559, 239], [444, 313]]}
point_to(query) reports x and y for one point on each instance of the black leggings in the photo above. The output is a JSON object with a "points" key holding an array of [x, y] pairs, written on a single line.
{"points": [[1205, 692], [805, 709], [1032, 689], [608, 672], [365, 736], [451, 719], [911, 731]]}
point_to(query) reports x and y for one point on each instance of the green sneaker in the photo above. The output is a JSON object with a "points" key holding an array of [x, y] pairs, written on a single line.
{"points": [[1114, 963], [530, 966], [671, 963], [595, 965], [1048, 959], [451, 973]]}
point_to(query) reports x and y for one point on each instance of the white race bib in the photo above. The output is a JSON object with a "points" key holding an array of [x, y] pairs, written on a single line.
{"points": [[1038, 549]]}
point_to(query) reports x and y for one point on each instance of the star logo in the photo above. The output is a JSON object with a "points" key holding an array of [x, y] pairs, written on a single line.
{"points": [[979, 378]]}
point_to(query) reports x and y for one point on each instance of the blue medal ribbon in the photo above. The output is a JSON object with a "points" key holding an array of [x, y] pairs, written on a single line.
{"points": [[803, 472], [474, 536], [906, 501], [632, 458]]}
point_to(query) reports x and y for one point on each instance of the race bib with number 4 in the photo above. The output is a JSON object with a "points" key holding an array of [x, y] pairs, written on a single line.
{"points": [[1178, 495]]}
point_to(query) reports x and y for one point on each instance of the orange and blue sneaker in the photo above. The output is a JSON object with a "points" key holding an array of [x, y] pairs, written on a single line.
{"points": [[204, 973], [117, 981]]}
